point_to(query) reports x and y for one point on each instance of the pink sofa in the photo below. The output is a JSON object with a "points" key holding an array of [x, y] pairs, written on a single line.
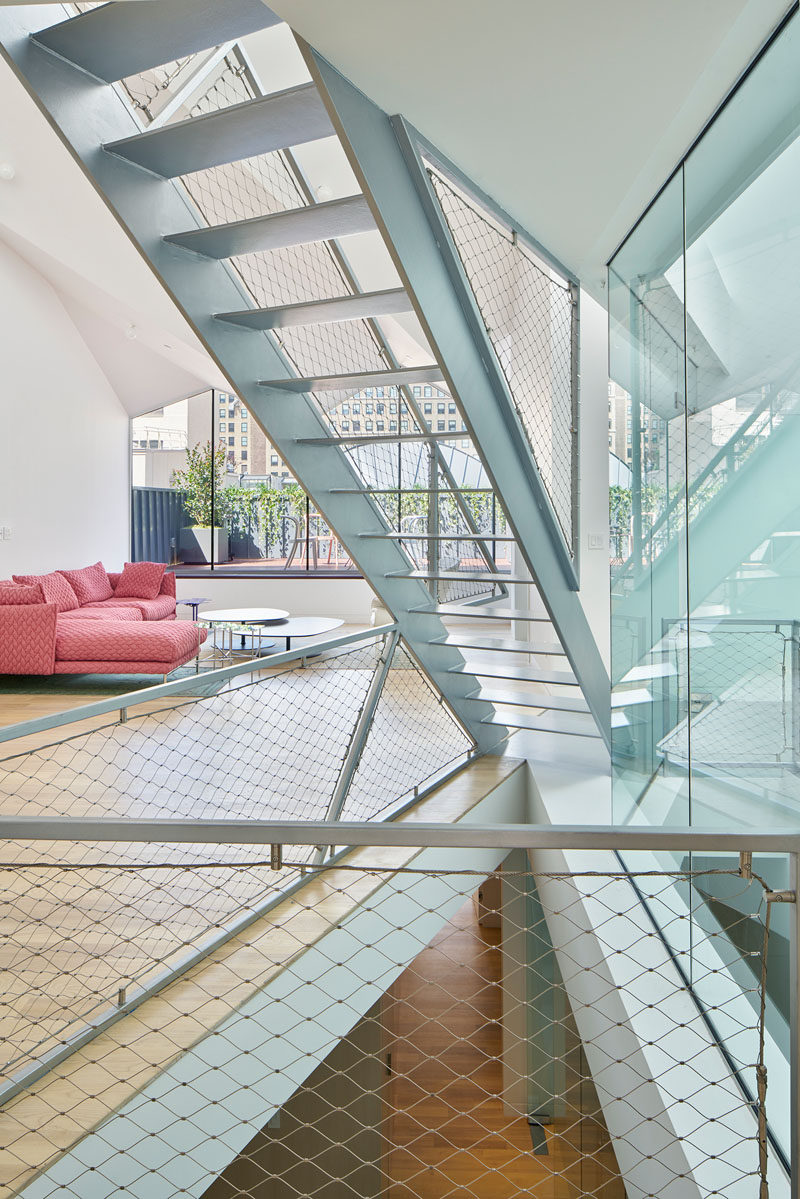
{"points": [[45, 628]]}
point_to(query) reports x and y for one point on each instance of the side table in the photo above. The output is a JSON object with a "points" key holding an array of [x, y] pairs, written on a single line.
{"points": [[194, 603]]}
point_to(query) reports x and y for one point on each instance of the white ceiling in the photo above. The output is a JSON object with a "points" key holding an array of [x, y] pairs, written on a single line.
{"points": [[571, 113]]}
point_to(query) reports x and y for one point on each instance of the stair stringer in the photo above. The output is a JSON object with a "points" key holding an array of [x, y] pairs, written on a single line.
{"points": [[87, 114], [378, 161]]}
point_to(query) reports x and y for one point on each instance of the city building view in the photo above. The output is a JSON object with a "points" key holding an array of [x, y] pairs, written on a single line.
{"points": [[400, 612]]}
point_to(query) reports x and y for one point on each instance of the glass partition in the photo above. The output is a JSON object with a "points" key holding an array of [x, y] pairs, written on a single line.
{"points": [[704, 305], [704, 316]]}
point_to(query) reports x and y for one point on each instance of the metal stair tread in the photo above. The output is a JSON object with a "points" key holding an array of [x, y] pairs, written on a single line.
{"points": [[261, 126], [505, 645], [488, 693], [520, 674], [321, 312], [484, 613], [277, 230], [562, 723], [398, 376], [117, 40], [459, 576], [476, 536]]}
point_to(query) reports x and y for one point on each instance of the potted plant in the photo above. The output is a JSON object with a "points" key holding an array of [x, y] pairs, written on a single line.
{"points": [[203, 501]]}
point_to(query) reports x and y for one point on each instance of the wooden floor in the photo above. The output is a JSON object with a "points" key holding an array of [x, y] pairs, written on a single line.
{"points": [[448, 1131]]}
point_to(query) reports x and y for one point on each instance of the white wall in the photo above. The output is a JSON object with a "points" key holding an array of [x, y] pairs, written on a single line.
{"points": [[347, 599], [64, 444], [594, 563]]}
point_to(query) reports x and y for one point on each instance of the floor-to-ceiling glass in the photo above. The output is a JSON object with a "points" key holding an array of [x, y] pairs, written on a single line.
{"points": [[704, 301]]}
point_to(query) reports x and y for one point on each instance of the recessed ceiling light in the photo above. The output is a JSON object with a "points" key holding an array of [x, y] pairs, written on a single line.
{"points": [[7, 171]]}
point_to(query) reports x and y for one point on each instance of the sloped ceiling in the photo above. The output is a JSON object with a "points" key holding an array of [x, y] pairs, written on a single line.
{"points": [[571, 113], [51, 215]]}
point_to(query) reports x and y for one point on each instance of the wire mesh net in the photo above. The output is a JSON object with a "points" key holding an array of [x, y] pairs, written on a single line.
{"points": [[273, 748], [393, 1027], [409, 713], [529, 316]]}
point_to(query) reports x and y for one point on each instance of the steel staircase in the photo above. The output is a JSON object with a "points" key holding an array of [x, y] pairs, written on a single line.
{"points": [[285, 356]]}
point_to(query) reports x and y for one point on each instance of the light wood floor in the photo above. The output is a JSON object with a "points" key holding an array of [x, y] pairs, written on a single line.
{"points": [[448, 1131]]}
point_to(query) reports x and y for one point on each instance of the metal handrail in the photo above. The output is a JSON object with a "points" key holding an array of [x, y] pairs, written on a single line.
{"points": [[415, 834], [131, 699]]}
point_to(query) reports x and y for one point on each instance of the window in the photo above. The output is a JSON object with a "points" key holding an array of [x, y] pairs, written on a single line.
{"points": [[427, 407], [273, 460], [231, 441], [440, 425], [244, 441], [345, 426], [451, 426], [231, 427], [380, 408], [368, 426], [465, 445], [463, 427], [379, 426], [345, 409], [428, 392], [405, 426], [379, 392], [244, 426], [451, 407], [222, 427], [393, 407], [244, 455], [392, 426], [231, 413], [356, 426], [356, 409], [440, 409], [416, 391], [368, 393], [368, 409]]}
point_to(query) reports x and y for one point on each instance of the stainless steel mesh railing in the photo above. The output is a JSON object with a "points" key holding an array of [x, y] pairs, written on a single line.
{"points": [[348, 725], [499, 1015], [529, 315]]}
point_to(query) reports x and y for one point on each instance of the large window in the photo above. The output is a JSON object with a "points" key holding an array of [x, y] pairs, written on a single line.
{"points": [[205, 499]]}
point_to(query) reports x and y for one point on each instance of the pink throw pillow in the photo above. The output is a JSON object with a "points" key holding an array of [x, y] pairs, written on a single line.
{"points": [[140, 580], [55, 588], [90, 584], [18, 593]]}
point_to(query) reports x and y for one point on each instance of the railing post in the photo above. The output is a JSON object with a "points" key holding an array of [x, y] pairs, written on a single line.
{"points": [[361, 730], [794, 1015], [795, 712]]}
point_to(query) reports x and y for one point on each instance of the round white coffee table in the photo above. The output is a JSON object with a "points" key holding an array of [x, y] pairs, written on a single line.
{"points": [[304, 626], [244, 623]]}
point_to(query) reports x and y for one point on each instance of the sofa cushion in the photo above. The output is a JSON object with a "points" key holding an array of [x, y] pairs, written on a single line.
{"points": [[56, 588], [97, 613], [140, 580], [117, 641], [20, 593], [160, 608], [90, 583]]}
